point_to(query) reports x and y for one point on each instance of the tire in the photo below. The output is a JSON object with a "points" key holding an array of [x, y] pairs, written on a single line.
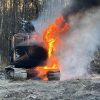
{"points": [[9, 73], [53, 75]]}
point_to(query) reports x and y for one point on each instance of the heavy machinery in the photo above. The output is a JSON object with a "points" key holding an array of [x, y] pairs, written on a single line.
{"points": [[25, 54]]}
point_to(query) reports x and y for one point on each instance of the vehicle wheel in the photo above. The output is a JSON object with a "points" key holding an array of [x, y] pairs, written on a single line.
{"points": [[9, 73], [53, 75]]}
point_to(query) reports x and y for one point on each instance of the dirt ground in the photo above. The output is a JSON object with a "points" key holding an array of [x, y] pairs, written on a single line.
{"points": [[88, 89]]}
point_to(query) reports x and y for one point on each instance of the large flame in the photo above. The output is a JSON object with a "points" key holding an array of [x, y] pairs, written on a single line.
{"points": [[52, 39]]}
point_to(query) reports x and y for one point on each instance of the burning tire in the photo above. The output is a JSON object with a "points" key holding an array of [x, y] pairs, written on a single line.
{"points": [[53, 75]]}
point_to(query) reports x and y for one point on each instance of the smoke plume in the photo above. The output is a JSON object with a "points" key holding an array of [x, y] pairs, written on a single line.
{"points": [[78, 6], [82, 40], [51, 10]]}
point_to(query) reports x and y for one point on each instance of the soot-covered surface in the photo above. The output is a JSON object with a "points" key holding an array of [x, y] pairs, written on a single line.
{"points": [[52, 90], [30, 56]]}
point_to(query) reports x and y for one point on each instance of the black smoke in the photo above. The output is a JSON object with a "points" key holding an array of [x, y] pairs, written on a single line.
{"points": [[30, 56], [80, 6], [82, 40]]}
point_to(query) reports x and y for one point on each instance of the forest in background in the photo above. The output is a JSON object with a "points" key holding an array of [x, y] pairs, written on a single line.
{"points": [[11, 14]]}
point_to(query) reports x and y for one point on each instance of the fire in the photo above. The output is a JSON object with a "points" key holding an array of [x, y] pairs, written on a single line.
{"points": [[52, 39]]}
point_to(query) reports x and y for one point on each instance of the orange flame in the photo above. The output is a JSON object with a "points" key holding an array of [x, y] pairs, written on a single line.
{"points": [[51, 39]]}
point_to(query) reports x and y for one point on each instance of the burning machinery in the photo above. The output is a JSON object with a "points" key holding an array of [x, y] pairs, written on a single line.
{"points": [[27, 56]]}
